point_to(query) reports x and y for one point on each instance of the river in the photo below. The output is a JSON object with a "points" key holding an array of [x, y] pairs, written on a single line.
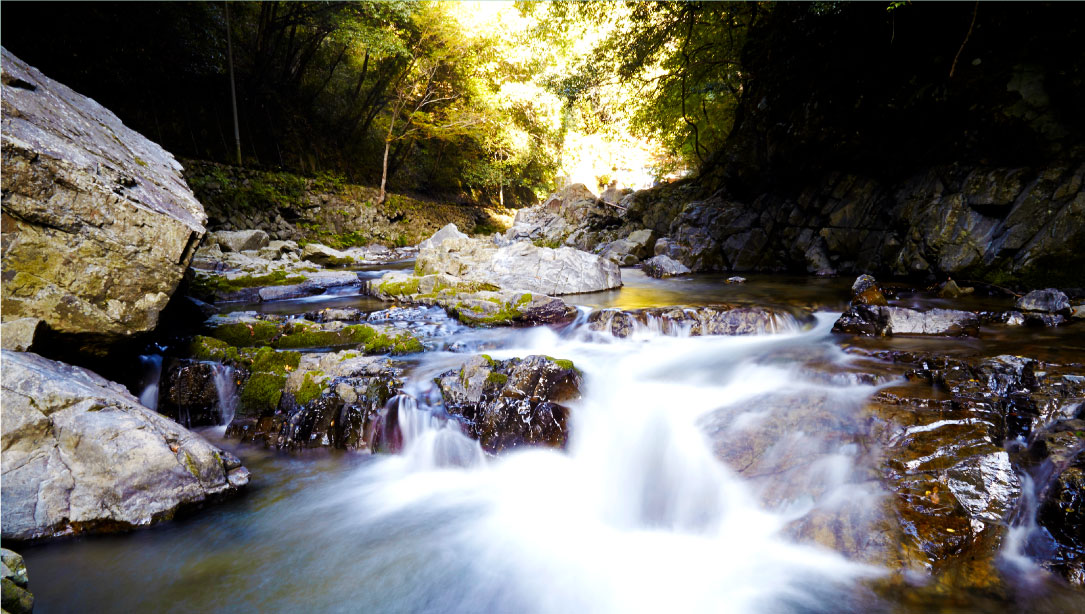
{"points": [[638, 514]]}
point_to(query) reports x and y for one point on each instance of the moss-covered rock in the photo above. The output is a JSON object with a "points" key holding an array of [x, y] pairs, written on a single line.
{"points": [[261, 392]]}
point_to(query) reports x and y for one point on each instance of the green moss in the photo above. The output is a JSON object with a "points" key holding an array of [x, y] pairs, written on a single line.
{"points": [[551, 243], [561, 362], [211, 285], [310, 389], [348, 356], [191, 465], [208, 348], [497, 379], [267, 359], [140, 161], [392, 288], [304, 336], [246, 334], [402, 343], [262, 392]]}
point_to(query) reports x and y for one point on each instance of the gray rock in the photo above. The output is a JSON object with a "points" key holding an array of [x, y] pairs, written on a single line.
{"points": [[1048, 300], [18, 335], [883, 320], [692, 321], [99, 225], [663, 266], [240, 240], [449, 231], [736, 280], [521, 266], [324, 255], [81, 454]]}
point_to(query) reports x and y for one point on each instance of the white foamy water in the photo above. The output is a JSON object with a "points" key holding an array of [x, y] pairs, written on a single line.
{"points": [[637, 515]]}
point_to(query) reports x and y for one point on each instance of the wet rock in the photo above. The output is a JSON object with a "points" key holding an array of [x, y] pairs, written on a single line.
{"points": [[18, 335], [692, 322], [16, 596], [865, 291], [736, 280], [1062, 513], [1049, 301], [520, 266], [663, 266], [324, 255], [190, 394], [508, 308], [80, 454], [239, 240], [449, 231], [243, 329], [510, 403], [98, 224], [330, 400], [881, 321]]}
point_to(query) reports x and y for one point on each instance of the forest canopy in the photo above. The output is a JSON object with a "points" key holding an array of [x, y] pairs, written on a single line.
{"points": [[483, 101]]}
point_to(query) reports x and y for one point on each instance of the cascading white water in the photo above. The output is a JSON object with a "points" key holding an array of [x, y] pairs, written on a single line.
{"points": [[638, 514], [226, 387], [152, 373]]}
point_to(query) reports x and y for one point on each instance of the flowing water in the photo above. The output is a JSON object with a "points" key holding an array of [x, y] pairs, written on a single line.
{"points": [[638, 514]]}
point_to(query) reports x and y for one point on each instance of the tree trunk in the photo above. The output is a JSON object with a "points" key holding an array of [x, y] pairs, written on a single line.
{"points": [[384, 173], [233, 89]]}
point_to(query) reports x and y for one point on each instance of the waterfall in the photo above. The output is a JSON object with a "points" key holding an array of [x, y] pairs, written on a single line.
{"points": [[225, 380], [152, 373]]}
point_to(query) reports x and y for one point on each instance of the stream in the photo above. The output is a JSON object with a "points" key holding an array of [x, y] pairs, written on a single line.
{"points": [[638, 514]]}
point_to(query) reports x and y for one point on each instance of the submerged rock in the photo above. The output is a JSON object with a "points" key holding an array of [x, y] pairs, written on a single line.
{"points": [[80, 454], [98, 224], [16, 598], [663, 266], [510, 403], [693, 321]]}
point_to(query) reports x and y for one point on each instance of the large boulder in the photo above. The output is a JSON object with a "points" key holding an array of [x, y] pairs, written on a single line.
{"points": [[510, 403], [449, 231], [98, 224], [81, 454], [521, 266], [882, 321]]}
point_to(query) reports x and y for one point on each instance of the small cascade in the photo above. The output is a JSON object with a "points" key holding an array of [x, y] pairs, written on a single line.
{"points": [[1027, 541], [427, 441], [152, 373], [226, 386]]}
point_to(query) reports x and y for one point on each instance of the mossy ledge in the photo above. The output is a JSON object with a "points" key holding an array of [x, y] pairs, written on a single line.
{"points": [[212, 285]]}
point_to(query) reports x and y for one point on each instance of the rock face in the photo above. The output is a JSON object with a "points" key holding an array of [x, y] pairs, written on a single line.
{"points": [[81, 454], [240, 240], [521, 266], [17, 598], [693, 321], [510, 403], [98, 224], [449, 231]]}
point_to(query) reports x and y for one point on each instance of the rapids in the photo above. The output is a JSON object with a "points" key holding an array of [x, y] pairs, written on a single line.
{"points": [[638, 514]]}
